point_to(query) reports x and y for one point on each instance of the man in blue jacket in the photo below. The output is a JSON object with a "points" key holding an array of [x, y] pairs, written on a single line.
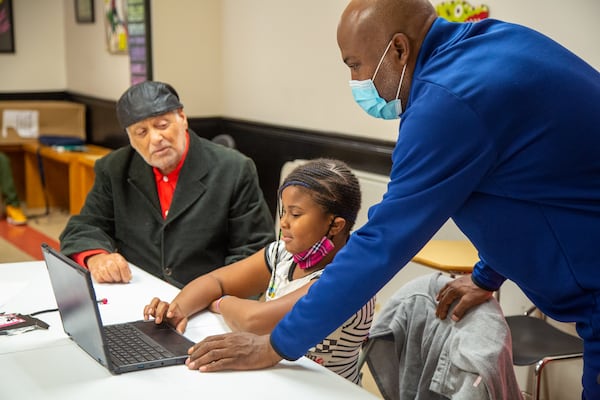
{"points": [[500, 130]]}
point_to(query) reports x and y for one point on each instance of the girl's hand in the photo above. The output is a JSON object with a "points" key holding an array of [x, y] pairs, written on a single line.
{"points": [[162, 311]]}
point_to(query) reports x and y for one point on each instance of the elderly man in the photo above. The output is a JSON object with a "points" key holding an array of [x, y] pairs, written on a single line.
{"points": [[500, 131], [171, 203]]}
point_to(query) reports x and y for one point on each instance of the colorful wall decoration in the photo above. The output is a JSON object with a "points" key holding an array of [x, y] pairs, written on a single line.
{"points": [[462, 11], [139, 40], [115, 23]]}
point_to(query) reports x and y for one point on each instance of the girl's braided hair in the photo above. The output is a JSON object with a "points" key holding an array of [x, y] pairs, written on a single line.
{"points": [[332, 185]]}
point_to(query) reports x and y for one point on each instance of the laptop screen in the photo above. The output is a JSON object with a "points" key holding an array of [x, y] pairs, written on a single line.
{"points": [[76, 300]]}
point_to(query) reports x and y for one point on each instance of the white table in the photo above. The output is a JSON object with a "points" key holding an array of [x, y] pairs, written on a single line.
{"points": [[46, 364]]}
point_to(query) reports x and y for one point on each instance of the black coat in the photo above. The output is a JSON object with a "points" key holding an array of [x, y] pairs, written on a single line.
{"points": [[218, 214]]}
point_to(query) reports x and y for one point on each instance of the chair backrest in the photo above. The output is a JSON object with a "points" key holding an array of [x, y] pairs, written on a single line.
{"points": [[534, 339], [410, 350], [224, 140], [372, 187], [536, 342]]}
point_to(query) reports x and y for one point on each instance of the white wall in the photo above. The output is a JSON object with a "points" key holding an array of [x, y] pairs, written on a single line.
{"points": [[39, 61], [273, 61], [91, 69], [187, 45], [282, 63]]}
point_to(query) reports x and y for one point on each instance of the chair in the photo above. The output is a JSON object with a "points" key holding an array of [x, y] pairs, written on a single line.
{"points": [[536, 342], [224, 140], [455, 257], [411, 352]]}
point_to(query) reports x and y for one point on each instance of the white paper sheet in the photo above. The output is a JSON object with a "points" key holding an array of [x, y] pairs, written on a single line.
{"points": [[25, 122]]}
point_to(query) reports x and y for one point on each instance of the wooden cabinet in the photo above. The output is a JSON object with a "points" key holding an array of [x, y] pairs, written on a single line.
{"points": [[60, 178]]}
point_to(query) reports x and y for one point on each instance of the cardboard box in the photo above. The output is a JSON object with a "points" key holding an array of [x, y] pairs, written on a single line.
{"points": [[55, 117]]}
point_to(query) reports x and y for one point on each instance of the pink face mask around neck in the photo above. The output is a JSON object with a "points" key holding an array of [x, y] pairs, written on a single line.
{"points": [[312, 256]]}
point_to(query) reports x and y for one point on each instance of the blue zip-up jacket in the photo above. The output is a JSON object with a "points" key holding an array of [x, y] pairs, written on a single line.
{"points": [[502, 133]]}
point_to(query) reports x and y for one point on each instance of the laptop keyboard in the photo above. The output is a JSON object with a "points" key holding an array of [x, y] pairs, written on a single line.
{"points": [[128, 345]]}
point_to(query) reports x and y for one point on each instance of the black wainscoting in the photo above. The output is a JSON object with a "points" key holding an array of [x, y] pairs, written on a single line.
{"points": [[101, 124], [34, 96], [269, 146]]}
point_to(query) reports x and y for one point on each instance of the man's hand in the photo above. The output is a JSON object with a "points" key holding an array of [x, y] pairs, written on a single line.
{"points": [[465, 291], [232, 351], [109, 268]]}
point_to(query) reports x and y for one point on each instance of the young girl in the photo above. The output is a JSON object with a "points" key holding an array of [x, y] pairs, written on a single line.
{"points": [[319, 203]]}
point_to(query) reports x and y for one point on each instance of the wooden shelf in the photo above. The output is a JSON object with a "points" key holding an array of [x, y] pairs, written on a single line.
{"points": [[68, 175]]}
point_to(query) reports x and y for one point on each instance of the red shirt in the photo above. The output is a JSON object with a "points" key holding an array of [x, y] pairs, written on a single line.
{"points": [[165, 186]]}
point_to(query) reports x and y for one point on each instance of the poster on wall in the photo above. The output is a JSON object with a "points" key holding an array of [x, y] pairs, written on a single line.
{"points": [[7, 40], [462, 11], [84, 11], [115, 24], [139, 40]]}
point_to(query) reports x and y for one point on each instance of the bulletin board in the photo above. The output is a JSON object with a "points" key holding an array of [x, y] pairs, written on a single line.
{"points": [[139, 40]]}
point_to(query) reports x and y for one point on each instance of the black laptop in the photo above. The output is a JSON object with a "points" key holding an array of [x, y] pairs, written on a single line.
{"points": [[125, 347]]}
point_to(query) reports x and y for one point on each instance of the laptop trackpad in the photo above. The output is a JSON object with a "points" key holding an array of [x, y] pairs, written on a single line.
{"points": [[166, 336]]}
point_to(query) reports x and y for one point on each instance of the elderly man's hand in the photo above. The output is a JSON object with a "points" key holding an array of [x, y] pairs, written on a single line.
{"points": [[109, 268], [232, 351], [465, 291]]}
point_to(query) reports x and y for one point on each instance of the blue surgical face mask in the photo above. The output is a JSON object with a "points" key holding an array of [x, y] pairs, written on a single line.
{"points": [[366, 95]]}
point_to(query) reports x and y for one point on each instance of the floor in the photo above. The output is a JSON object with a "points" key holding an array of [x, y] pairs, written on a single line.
{"points": [[22, 243]]}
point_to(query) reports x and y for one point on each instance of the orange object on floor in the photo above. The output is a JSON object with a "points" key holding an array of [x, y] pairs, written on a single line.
{"points": [[15, 216]]}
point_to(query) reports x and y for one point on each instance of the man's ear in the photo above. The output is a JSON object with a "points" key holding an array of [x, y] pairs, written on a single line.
{"points": [[401, 48], [182, 115]]}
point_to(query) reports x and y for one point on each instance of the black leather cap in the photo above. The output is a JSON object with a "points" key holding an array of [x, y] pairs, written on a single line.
{"points": [[145, 100]]}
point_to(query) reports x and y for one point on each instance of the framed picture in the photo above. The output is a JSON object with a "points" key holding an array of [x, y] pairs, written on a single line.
{"points": [[84, 11], [7, 39], [115, 24]]}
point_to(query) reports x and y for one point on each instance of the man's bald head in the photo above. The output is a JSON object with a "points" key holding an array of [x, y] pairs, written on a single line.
{"points": [[366, 27], [380, 19]]}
